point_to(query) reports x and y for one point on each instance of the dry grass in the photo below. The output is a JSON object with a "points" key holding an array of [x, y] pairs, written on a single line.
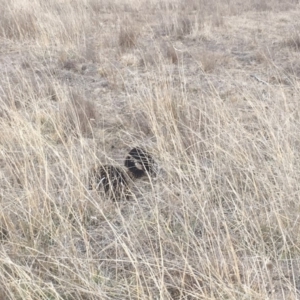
{"points": [[294, 41], [210, 89], [128, 35]]}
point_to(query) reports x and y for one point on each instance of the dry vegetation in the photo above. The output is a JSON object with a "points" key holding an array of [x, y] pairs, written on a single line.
{"points": [[210, 88]]}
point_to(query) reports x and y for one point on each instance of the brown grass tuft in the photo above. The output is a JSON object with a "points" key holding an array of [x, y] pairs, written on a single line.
{"points": [[262, 5], [293, 41], [78, 116], [209, 61], [18, 23], [217, 20], [128, 34], [172, 54], [176, 25]]}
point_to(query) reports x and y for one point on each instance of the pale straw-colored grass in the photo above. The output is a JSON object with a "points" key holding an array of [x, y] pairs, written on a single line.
{"points": [[219, 112]]}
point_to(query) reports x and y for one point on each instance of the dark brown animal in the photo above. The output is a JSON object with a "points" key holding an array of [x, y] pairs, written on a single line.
{"points": [[113, 180], [139, 163]]}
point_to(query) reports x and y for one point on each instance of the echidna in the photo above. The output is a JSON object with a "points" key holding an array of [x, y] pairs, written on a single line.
{"points": [[112, 179], [139, 163]]}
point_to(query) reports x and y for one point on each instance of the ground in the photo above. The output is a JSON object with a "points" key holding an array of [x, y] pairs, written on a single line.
{"points": [[210, 89]]}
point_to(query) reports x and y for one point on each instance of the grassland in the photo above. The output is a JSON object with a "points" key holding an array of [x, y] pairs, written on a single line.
{"points": [[210, 88]]}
